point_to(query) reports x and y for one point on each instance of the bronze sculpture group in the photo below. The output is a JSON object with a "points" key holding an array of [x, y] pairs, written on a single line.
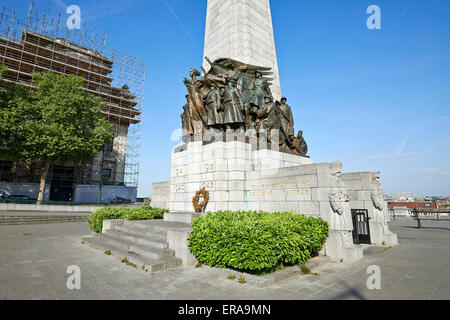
{"points": [[233, 96]]}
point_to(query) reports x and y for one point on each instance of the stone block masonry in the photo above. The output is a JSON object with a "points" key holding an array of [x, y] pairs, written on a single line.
{"points": [[366, 192], [238, 177], [229, 170], [243, 31]]}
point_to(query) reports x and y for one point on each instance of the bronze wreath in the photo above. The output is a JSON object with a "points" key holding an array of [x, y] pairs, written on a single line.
{"points": [[199, 207]]}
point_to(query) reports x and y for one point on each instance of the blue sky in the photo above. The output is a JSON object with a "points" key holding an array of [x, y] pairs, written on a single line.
{"points": [[377, 100]]}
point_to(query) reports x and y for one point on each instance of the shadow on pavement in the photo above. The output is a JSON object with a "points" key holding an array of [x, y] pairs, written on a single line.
{"points": [[349, 293]]}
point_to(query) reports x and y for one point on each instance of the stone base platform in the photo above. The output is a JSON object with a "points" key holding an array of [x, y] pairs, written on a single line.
{"points": [[241, 177]]}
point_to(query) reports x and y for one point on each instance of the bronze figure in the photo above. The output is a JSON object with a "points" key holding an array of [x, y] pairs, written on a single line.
{"points": [[234, 95], [260, 89], [286, 118], [233, 107], [268, 120], [214, 107], [186, 120]]}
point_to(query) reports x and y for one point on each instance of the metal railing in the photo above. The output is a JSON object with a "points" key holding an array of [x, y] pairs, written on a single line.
{"points": [[426, 215]]}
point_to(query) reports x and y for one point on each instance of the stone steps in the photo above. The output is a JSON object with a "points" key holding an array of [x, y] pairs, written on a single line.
{"points": [[20, 220], [141, 242], [149, 264], [183, 217], [146, 251], [161, 235]]}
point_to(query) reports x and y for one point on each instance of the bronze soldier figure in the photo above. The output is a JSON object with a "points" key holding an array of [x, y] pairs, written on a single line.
{"points": [[260, 89], [186, 121], [268, 120], [214, 108], [286, 118], [233, 107]]}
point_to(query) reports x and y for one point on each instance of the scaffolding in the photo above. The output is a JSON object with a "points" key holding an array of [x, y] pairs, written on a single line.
{"points": [[42, 42]]}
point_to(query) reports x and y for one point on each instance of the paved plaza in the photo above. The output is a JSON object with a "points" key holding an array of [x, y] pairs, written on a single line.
{"points": [[34, 260]]}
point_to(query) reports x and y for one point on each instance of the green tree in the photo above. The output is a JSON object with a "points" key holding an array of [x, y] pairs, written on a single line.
{"points": [[11, 95], [58, 121]]}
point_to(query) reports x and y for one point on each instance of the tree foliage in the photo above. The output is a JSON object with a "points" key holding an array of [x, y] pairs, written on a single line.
{"points": [[58, 121], [11, 96]]}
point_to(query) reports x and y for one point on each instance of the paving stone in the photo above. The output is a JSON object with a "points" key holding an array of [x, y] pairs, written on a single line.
{"points": [[34, 267]]}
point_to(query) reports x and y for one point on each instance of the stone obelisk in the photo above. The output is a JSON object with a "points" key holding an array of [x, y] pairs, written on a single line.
{"points": [[242, 30]]}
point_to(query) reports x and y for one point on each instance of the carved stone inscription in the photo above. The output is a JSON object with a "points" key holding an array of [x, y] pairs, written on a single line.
{"points": [[270, 189]]}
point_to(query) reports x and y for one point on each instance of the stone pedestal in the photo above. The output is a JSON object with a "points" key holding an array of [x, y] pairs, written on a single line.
{"points": [[340, 248], [228, 171], [240, 178]]}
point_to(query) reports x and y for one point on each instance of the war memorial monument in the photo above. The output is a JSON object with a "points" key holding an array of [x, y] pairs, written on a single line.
{"points": [[241, 149]]}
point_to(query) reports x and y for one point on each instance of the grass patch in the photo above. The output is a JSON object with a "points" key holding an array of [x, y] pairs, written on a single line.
{"points": [[304, 269], [231, 277], [128, 263]]}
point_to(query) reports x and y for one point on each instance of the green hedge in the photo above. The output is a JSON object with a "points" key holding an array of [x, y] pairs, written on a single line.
{"points": [[256, 242], [144, 212]]}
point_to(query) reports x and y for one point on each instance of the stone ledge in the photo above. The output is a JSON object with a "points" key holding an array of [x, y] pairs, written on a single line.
{"points": [[272, 278]]}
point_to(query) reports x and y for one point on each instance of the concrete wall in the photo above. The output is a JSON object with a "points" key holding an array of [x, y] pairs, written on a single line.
{"points": [[83, 193], [27, 189], [89, 193], [161, 195], [31, 209]]}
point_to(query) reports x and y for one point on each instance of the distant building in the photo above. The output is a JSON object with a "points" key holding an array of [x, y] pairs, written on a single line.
{"points": [[413, 205], [405, 196], [43, 44], [401, 211], [398, 206], [443, 203]]}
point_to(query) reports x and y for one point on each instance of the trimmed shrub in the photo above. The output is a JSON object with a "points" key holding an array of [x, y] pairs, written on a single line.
{"points": [[256, 242], [144, 212]]}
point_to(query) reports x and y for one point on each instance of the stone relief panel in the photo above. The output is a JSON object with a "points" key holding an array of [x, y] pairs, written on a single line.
{"points": [[341, 218], [335, 174]]}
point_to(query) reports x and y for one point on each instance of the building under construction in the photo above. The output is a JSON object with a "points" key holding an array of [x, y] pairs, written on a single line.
{"points": [[41, 43]]}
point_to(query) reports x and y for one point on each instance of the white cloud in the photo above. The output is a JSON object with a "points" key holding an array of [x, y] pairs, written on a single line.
{"points": [[389, 156], [399, 153], [437, 171]]}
